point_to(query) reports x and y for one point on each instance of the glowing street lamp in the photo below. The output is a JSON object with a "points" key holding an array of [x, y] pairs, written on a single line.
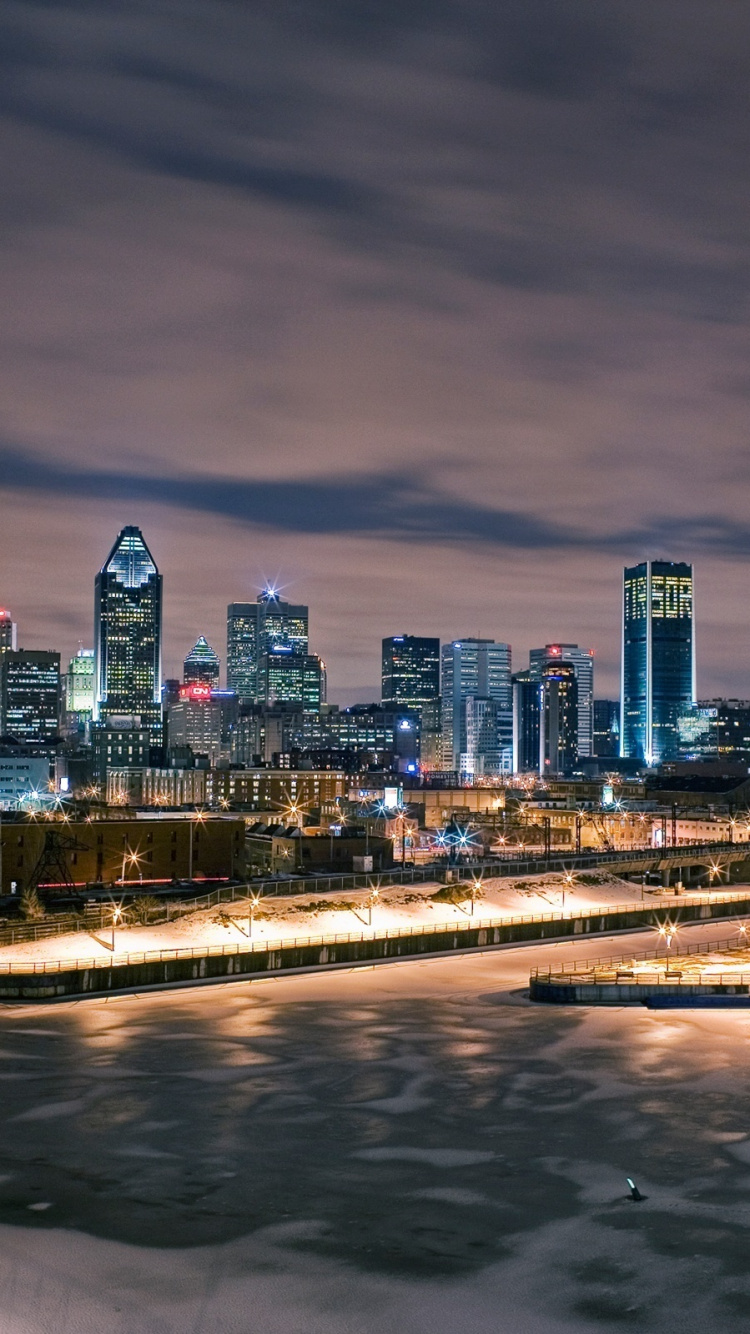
{"points": [[254, 903], [474, 892], [116, 916], [198, 818], [373, 899]]}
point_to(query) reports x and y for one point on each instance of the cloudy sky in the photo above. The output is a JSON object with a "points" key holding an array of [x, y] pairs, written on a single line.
{"points": [[435, 312]]}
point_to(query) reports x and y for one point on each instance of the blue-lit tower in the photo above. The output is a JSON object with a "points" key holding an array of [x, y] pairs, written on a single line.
{"points": [[658, 658]]}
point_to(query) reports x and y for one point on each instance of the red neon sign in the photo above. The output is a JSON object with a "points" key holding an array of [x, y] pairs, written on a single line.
{"points": [[195, 692]]}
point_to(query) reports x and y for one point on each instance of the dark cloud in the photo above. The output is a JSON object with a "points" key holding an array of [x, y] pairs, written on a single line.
{"points": [[440, 277], [392, 506]]}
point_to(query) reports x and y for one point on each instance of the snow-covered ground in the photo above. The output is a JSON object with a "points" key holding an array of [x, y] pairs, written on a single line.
{"points": [[398, 907]]}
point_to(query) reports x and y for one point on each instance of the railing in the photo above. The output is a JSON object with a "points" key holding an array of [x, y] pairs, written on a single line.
{"points": [[612, 963], [669, 978], [260, 945]]}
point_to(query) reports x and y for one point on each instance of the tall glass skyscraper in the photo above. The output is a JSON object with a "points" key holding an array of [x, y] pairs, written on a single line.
{"points": [[658, 658], [476, 670], [128, 593], [411, 670], [583, 661], [255, 629]]}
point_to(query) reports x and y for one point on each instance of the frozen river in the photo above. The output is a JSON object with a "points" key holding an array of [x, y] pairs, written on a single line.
{"points": [[400, 1150]]}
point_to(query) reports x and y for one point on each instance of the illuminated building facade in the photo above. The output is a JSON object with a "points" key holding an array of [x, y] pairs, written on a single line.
{"points": [[658, 658], [8, 631], [255, 629], [411, 680], [30, 694], [558, 718], [128, 595], [79, 690], [476, 669], [196, 721], [286, 677], [583, 661], [411, 670], [526, 691], [201, 666]]}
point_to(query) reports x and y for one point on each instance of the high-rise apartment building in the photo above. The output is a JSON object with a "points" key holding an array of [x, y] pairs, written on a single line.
{"points": [[583, 661], [255, 629], [30, 694], [128, 593], [476, 669], [658, 658], [202, 666]]}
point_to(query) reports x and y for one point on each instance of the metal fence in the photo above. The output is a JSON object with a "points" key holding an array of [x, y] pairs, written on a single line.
{"points": [[260, 945]]}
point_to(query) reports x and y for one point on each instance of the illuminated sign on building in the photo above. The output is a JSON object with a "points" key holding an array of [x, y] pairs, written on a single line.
{"points": [[196, 693]]}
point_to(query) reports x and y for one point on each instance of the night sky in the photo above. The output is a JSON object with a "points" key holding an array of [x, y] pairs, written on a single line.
{"points": [[436, 313]]}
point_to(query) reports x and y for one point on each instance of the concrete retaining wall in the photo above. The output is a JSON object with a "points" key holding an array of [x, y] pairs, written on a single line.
{"points": [[309, 958], [614, 993]]}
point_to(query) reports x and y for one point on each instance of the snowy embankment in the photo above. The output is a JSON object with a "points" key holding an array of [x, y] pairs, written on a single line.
{"points": [[396, 907]]}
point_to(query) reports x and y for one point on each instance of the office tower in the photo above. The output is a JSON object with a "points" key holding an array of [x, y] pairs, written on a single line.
{"points": [[583, 660], [474, 669], [717, 730], [411, 680], [79, 690], [257, 628], [201, 666], [411, 670], [128, 593], [658, 658], [8, 631], [558, 718], [606, 728], [286, 677], [30, 694], [196, 722], [526, 693]]}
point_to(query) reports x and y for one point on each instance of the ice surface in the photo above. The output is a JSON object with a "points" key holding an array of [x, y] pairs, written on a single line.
{"points": [[405, 1150]]}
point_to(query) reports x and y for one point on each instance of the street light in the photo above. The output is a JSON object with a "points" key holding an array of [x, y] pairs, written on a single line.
{"points": [[254, 902], [475, 890], [198, 818], [374, 896], [116, 915]]}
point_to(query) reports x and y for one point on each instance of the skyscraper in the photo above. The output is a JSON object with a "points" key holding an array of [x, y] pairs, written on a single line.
{"points": [[476, 669], [257, 628], [558, 717], [658, 658], [411, 680], [201, 666], [583, 661], [128, 592], [30, 694], [411, 670], [79, 690], [526, 696], [7, 630]]}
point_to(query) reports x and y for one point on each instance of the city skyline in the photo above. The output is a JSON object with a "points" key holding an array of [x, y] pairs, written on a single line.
{"points": [[278, 348]]}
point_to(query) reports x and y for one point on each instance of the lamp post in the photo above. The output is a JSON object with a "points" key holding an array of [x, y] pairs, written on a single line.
{"points": [[254, 902], [116, 915], [374, 896]]}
